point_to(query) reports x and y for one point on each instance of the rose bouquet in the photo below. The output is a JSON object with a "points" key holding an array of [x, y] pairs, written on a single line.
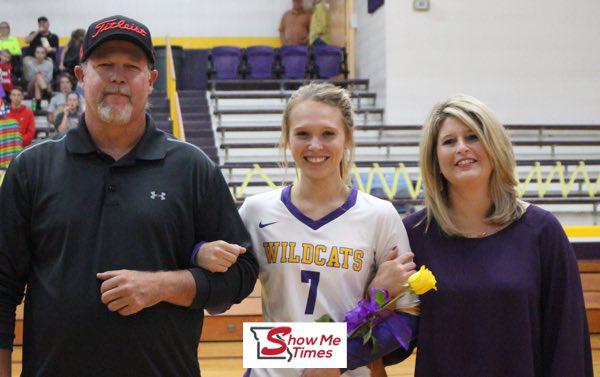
{"points": [[380, 324]]}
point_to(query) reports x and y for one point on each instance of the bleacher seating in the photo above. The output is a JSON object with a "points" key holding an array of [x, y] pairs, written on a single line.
{"points": [[224, 62], [260, 62], [329, 61], [248, 123], [290, 62], [294, 60]]}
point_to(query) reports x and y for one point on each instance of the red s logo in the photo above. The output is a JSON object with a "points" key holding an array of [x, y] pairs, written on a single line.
{"points": [[274, 336]]}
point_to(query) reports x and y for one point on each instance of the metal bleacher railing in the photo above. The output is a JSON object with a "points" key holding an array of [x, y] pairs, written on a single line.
{"points": [[172, 95]]}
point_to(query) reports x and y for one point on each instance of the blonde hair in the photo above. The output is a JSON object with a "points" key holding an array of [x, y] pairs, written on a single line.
{"points": [[331, 95], [506, 207]]}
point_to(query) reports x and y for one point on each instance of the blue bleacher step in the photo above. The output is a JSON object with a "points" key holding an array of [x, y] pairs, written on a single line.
{"points": [[202, 141], [186, 117], [202, 133], [203, 127], [198, 125]]}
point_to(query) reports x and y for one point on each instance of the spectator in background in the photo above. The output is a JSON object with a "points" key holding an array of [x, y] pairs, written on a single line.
{"points": [[38, 75], [69, 117], [22, 114], [65, 82], [294, 26], [69, 57], [320, 24], [42, 37], [5, 72], [7, 41]]}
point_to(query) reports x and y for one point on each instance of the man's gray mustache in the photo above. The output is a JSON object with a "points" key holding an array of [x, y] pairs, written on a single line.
{"points": [[110, 90]]}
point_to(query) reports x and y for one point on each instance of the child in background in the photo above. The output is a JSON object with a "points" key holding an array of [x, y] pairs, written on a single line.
{"points": [[5, 73]]}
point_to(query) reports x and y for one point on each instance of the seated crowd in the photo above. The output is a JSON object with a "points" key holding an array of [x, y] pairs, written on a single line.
{"points": [[43, 73]]}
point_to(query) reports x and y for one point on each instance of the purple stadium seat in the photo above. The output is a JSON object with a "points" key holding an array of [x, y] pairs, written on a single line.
{"points": [[260, 62], [225, 61], [294, 59], [328, 59]]}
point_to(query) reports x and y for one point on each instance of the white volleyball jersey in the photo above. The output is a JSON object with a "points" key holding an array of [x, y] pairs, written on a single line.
{"points": [[310, 268]]}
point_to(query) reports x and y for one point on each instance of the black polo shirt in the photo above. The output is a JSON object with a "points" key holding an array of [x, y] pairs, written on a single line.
{"points": [[69, 211]]}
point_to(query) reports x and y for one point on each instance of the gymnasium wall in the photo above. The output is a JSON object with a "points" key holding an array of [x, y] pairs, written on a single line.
{"points": [[181, 18], [534, 61], [371, 42]]}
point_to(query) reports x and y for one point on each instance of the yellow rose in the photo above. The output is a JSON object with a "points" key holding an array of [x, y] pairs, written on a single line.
{"points": [[422, 281]]}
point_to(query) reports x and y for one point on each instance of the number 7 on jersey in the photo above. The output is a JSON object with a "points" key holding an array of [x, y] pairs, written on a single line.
{"points": [[312, 277]]}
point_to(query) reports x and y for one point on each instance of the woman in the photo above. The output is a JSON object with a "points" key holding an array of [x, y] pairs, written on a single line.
{"points": [[319, 241], [7, 41], [69, 117], [69, 57], [509, 301], [38, 74]]}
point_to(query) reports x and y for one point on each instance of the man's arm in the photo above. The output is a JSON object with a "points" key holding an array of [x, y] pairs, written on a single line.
{"points": [[282, 29], [31, 36], [15, 247], [220, 220], [61, 60], [54, 42], [5, 363], [127, 292]]}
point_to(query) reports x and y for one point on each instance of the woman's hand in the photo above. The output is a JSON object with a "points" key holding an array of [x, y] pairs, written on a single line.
{"points": [[393, 273]]}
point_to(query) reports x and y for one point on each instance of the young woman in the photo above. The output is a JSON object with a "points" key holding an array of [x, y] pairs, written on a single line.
{"points": [[69, 57], [69, 117], [509, 301], [319, 241], [38, 74]]}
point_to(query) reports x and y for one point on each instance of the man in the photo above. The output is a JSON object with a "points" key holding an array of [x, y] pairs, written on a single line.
{"points": [[42, 37], [23, 115], [294, 25], [100, 223]]}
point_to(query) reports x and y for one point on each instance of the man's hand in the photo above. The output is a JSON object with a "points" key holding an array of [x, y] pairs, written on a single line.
{"points": [[127, 292], [218, 256], [321, 372], [393, 273]]}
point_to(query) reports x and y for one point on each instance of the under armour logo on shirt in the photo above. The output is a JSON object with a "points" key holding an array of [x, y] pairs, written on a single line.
{"points": [[154, 195]]}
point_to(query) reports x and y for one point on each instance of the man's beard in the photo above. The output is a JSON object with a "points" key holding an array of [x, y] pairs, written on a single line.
{"points": [[113, 115], [117, 115]]}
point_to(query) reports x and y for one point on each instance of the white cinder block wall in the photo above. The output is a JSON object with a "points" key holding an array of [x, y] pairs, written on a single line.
{"points": [[534, 61], [182, 18], [370, 39]]}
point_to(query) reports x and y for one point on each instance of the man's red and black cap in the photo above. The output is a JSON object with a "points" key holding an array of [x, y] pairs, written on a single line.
{"points": [[120, 28]]}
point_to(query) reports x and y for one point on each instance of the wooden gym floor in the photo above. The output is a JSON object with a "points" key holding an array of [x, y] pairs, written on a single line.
{"points": [[224, 359]]}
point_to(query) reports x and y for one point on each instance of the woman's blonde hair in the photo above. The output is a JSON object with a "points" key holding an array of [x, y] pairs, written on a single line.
{"points": [[506, 207], [331, 95]]}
